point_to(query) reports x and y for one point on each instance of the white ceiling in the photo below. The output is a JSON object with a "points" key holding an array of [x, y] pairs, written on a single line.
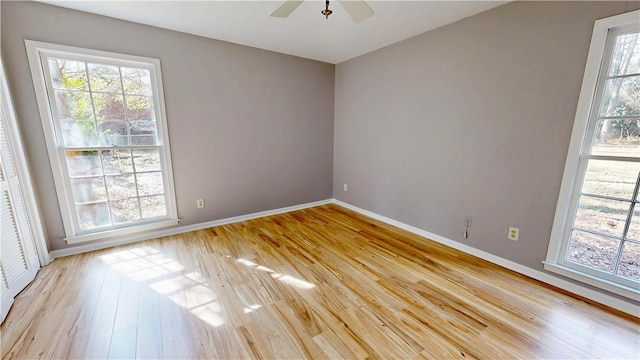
{"points": [[305, 33]]}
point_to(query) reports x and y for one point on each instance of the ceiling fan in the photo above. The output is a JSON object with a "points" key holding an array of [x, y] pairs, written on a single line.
{"points": [[357, 9]]}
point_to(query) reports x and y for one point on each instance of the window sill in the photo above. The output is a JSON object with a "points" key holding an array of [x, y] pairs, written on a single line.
{"points": [[622, 290], [104, 235]]}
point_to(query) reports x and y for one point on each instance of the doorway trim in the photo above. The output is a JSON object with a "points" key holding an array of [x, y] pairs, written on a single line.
{"points": [[22, 168]]}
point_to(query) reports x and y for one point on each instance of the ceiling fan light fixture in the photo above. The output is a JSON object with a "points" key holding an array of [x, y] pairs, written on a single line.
{"points": [[358, 10], [326, 12]]}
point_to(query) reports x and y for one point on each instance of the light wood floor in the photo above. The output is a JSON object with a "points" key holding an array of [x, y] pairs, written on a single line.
{"points": [[317, 283]]}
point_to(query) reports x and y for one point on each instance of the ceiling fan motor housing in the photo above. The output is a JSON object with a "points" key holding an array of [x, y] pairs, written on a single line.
{"points": [[326, 12]]}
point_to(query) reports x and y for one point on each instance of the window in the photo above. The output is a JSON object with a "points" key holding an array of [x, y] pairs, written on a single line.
{"points": [[596, 232], [105, 127]]}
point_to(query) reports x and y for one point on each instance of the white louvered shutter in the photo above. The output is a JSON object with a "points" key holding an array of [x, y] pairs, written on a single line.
{"points": [[18, 260], [14, 263]]}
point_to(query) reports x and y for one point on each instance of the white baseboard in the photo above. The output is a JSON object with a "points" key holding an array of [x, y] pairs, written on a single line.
{"points": [[597, 296], [179, 230]]}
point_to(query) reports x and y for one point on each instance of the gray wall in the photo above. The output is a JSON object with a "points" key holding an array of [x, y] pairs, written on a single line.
{"points": [[473, 118], [250, 130]]}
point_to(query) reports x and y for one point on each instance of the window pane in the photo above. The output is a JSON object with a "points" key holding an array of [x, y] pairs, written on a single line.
{"points": [[136, 81], [92, 216], [113, 133], [617, 137], [621, 97], [611, 178], [634, 226], [139, 108], [142, 120], [124, 211], [68, 74], [630, 261], [143, 133], [79, 133], [147, 160], [592, 250], [153, 206], [108, 106], [88, 189], [116, 161], [626, 55], [150, 183], [82, 163], [605, 216], [121, 186], [104, 78], [74, 105]]}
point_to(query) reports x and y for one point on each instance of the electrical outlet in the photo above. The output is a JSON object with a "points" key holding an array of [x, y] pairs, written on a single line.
{"points": [[344, 187], [513, 234], [200, 203]]}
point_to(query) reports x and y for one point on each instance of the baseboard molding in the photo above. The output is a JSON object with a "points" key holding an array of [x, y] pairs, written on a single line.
{"points": [[602, 298], [179, 230]]}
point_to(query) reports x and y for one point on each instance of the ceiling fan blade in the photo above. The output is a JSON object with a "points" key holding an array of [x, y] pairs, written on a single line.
{"points": [[286, 8], [357, 9]]}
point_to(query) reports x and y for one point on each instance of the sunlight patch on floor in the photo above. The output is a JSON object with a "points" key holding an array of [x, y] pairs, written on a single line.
{"points": [[189, 291], [251, 308], [287, 279], [290, 280]]}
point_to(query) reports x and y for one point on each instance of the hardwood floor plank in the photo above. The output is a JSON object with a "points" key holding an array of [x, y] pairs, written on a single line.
{"points": [[127, 310], [123, 344], [104, 316], [331, 347], [302, 325], [175, 333], [149, 329], [319, 283], [256, 344]]}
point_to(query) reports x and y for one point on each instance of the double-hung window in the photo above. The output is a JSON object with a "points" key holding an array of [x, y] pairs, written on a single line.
{"points": [[106, 132], [596, 232]]}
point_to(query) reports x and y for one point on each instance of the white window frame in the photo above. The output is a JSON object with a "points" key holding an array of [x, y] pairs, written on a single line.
{"points": [[581, 137], [37, 53]]}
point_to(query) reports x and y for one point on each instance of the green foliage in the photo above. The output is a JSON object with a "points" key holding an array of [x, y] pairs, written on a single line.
{"points": [[73, 82]]}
